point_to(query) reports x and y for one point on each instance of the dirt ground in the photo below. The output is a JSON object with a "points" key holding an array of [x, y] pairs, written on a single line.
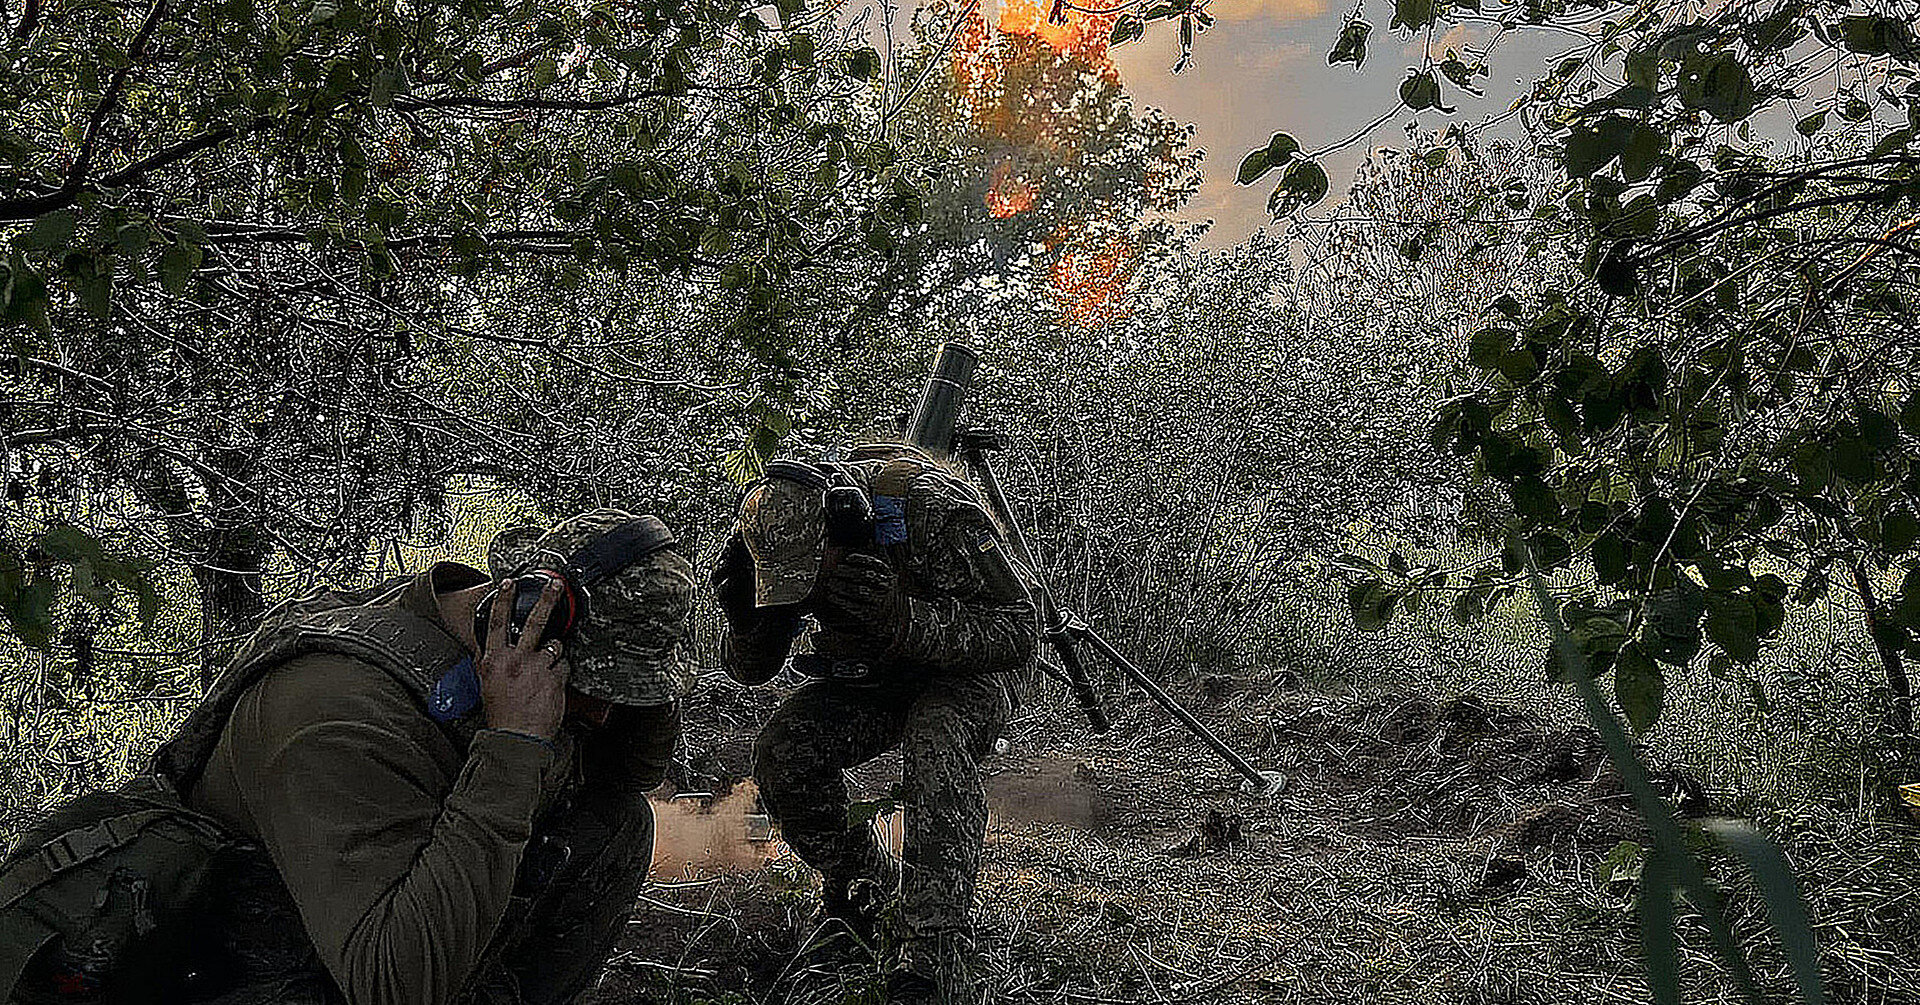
{"points": [[1417, 852]]}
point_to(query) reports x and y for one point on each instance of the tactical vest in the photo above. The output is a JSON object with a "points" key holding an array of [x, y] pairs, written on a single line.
{"points": [[106, 900]]}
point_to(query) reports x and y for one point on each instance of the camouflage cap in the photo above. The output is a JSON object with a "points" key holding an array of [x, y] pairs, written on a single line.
{"points": [[784, 526], [625, 652]]}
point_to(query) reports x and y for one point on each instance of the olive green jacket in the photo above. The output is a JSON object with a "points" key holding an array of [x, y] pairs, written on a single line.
{"points": [[398, 846]]}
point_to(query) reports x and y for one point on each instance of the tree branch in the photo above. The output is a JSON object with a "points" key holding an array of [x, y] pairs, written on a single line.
{"points": [[559, 104]]}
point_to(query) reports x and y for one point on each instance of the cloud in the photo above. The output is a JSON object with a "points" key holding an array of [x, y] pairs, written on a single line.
{"points": [[1457, 38], [1263, 10], [1273, 57]]}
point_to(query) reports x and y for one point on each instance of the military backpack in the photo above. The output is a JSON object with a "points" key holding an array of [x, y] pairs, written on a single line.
{"points": [[100, 901]]}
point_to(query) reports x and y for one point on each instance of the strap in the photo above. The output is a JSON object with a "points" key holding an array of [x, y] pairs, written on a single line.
{"points": [[798, 472], [73, 848], [408, 647], [602, 557]]}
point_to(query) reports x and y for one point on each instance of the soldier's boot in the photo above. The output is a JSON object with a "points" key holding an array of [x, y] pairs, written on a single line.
{"points": [[856, 910], [936, 970]]}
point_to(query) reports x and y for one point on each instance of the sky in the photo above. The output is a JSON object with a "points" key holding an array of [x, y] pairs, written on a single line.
{"points": [[1263, 68]]}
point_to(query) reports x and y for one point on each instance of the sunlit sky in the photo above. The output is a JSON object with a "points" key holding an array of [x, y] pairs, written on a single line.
{"points": [[1263, 67]]}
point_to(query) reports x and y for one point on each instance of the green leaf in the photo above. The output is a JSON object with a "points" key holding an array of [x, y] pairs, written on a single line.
{"points": [[1622, 864], [1718, 84], [1304, 184], [1906, 606], [1256, 164], [1421, 91], [177, 265], [1412, 15], [1359, 565], [862, 812], [1371, 604], [1519, 366], [30, 609], [1892, 143], [1734, 626], [1127, 28], [49, 231], [1591, 148], [1641, 152], [1811, 124], [1488, 347], [1672, 633], [864, 63], [1352, 44], [1853, 460], [1786, 908], [68, 543], [1610, 555], [1879, 35], [1617, 272], [1899, 532]]}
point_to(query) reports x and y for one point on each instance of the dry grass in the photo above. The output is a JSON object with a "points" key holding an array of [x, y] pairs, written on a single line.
{"points": [[1420, 852]]}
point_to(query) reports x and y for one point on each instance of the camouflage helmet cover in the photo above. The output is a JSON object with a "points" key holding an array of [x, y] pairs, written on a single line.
{"points": [[624, 653]]}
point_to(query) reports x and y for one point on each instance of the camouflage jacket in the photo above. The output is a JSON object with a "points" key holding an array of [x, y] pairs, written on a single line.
{"points": [[968, 606]]}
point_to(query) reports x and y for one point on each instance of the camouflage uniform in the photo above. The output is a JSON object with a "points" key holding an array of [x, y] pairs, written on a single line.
{"points": [[405, 860], [956, 621]]}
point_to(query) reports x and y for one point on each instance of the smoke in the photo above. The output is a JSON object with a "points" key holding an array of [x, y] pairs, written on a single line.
{"points": [[1050, 790], [693, 837]]}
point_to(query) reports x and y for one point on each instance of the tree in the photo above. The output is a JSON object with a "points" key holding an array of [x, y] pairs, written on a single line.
{"points": [[264, 206], [1729, 403]]}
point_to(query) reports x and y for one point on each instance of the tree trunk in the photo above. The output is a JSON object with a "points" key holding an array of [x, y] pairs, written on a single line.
{"points": [[231, 601], [1898, 685], [223, 546]]}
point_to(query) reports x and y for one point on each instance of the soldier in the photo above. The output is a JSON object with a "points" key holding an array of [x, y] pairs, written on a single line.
{"points": [[920, 617], [486, 857]]}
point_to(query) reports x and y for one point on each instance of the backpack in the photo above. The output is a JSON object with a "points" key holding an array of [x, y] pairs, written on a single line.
{"points": [[100, 901]]}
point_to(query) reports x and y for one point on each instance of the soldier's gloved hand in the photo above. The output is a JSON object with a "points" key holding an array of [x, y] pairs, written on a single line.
{"points": [[862, 594], [733, 581]]}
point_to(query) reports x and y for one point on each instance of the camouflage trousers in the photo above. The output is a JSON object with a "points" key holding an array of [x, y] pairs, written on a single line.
{"points": [[943, 727], [579, 879]]}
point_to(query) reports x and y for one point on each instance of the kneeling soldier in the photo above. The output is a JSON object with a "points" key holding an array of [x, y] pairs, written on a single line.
{"points": [[919, 617], [429, 791]]}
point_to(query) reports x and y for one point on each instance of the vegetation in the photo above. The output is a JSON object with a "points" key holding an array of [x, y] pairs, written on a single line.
{"points": [[311, 289]]}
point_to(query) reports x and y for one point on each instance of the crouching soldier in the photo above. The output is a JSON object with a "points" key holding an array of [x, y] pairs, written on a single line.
{"points": [[919, 617], [434, 792]]}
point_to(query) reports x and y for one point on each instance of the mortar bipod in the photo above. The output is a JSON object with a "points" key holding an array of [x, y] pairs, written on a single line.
{"points": [[1065, 629]]}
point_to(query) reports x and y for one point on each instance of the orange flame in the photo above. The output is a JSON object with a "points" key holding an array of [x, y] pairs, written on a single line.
{"points": [[982, 73], [1015, 81], [1076, 34], [1090, 280], [1008, 193]]}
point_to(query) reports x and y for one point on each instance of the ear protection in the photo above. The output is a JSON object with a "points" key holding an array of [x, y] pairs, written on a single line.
{"points": [[596, 561], [849, 513]]}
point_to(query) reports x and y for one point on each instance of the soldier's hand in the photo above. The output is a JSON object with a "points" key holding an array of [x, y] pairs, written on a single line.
{"points": [[733, 581], [523, 685], [862, 592]]}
